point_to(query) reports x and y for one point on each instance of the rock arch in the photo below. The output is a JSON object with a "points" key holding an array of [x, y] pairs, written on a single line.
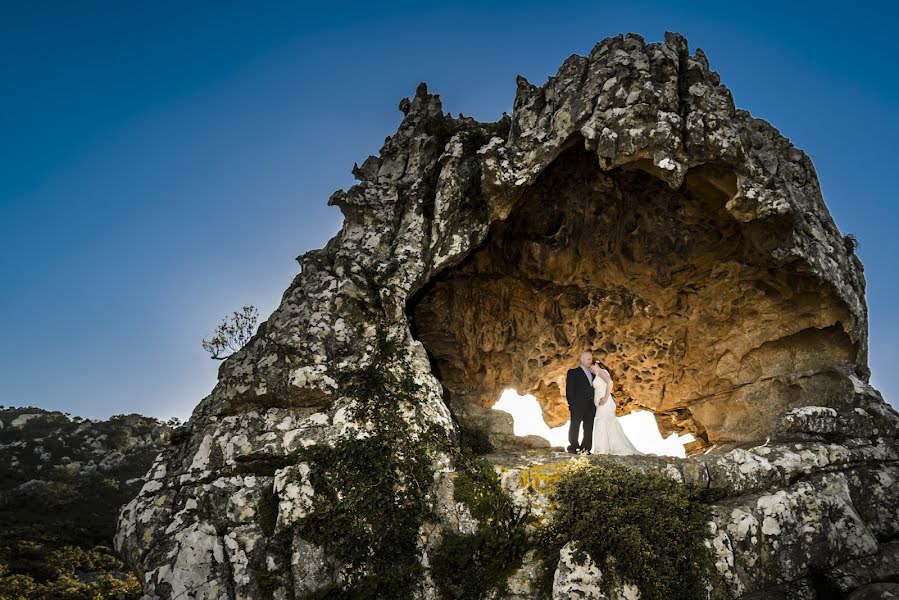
{"points": [[713, 227]]}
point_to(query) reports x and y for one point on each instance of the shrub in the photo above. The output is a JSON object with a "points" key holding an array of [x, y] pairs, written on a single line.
{"points": [[233, 333], [66, 566], [640, 528], [370, 493]]}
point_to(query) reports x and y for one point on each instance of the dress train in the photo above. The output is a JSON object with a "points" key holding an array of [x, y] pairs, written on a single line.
{"points": [[608, 435]]}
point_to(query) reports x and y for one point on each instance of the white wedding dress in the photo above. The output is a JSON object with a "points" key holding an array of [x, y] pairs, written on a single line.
{"points": [[608, 435]]}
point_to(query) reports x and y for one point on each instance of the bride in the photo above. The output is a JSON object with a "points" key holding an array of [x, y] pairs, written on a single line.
{"points": [[608, 435]]}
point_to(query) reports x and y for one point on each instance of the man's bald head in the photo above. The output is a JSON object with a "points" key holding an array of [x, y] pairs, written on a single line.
{"points": [[586, 359]]}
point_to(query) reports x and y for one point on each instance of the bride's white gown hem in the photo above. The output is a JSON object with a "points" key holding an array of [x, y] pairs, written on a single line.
{"points": [[608, 435]]}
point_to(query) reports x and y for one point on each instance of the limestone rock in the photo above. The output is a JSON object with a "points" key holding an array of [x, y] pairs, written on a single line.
{"points": [[626, 206], [582, 580]]}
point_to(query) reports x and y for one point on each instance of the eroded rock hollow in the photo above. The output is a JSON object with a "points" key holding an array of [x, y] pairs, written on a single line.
{"points": [[680, 299], [625, 206]]}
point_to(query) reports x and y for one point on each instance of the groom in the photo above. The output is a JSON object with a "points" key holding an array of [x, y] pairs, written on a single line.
{"points": [[579, 393]]}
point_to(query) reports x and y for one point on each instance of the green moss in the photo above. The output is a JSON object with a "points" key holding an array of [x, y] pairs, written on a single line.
{"points": [[370, 492], [468, 566], [641, 528], [277, 546], [266, 584]]}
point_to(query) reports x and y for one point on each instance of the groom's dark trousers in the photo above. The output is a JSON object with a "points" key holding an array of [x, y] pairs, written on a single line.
{"points": [[579, 393]]}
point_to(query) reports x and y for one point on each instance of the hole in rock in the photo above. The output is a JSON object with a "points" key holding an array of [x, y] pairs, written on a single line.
{"points": [[640, 426], [681, 301]]}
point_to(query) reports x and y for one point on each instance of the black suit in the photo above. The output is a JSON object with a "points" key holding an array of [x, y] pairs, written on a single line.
{"points": [[579, 393]]}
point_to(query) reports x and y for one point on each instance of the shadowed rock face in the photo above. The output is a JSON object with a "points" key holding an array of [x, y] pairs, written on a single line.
{"points": [[682, 301], [624, 206]]}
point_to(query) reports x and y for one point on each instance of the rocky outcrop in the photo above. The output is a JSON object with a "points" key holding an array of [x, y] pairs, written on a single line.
{"points": [[627, 207], [799, 520]]}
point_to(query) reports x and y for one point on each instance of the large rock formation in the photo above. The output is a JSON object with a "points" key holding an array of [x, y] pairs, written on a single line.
{"points": [[627, 207]]}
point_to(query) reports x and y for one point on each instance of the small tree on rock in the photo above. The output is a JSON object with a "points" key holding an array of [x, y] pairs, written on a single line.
{"points": [[233, 332]]}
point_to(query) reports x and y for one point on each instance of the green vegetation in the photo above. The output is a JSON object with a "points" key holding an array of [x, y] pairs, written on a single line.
{"points": [[370, 490], [641, 528], [62, 575], [268, 512], [468, 566], [63, 481], [372, 495], [233, 332]]}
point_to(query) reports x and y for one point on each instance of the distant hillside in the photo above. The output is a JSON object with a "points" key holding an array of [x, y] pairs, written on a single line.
{"points": [[62, 482]]}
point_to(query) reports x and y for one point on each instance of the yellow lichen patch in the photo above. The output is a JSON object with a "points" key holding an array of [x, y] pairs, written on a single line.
{"points": [[542, 478]]}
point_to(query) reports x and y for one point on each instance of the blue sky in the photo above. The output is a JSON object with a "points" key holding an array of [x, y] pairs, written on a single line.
{"points": [[164, 163]]}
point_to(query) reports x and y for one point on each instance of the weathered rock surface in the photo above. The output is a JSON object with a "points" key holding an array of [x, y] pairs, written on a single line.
{"points": [[807, 515], [626, 206]]}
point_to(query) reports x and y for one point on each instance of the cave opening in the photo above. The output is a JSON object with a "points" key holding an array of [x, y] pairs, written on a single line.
{"points": [[679, 299]]}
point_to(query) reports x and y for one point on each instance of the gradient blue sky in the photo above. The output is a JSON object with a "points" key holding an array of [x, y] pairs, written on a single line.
{"points": [[165, 162]]}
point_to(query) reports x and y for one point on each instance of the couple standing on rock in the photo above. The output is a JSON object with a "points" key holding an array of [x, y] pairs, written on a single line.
{"points": [[588, 389]]}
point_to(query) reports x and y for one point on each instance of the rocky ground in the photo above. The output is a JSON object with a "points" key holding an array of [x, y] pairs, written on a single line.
{"points": [[62, 482]]}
